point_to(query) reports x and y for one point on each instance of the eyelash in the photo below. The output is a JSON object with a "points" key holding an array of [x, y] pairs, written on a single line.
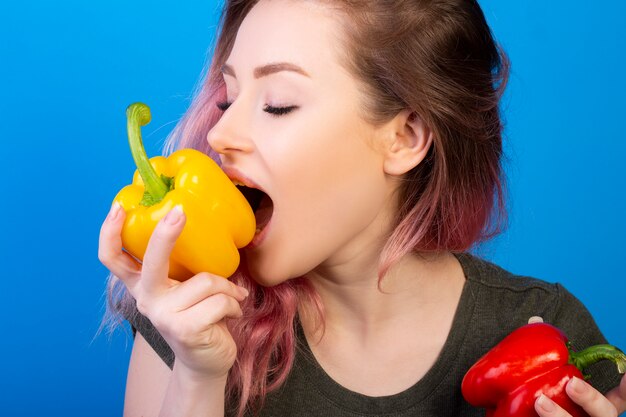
{"points": [[274, 111]]}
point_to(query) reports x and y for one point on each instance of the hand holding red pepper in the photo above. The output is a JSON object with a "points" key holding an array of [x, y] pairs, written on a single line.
{"points": [[532, 372]]}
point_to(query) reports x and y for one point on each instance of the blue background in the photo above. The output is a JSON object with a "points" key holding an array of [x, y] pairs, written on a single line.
{"points": [[68, 70]]}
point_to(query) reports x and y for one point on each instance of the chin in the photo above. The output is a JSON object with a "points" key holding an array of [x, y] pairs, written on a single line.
{"points": [[266, 274], [268, 271], [266, 280]]}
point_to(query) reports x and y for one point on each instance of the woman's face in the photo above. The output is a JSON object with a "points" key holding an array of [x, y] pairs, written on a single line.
{"points": [[329, 193]]}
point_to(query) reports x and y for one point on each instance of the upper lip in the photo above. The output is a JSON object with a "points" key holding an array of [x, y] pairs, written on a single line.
{"points": [[239, 177]]}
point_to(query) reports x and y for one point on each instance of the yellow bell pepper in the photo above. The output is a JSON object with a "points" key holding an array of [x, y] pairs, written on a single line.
{"points": [[219, 219]]}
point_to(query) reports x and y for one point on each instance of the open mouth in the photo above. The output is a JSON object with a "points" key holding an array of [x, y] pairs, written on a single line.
{"points": [[261, 204]]}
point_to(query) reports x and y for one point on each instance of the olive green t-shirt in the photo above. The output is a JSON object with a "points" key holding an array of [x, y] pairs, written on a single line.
{"points": [[493, 303]]}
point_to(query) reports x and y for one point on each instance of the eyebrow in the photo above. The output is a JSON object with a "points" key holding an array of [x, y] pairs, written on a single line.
{"points": [[268, 69]]}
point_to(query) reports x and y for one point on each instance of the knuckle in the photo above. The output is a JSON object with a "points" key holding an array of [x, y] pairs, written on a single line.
{"points": [[159, 244], [591, 394], [204, 276], [150, 264], [104, 229], [104, 256], [221, 301], [160, 237], [236, 289], [156, 242], [608, 410], [160, 319], [147, 307], [207, 281], [164, 231]]}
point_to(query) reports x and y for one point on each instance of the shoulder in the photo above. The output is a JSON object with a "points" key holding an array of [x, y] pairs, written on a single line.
{"points": [[503, 301], [490, 275], [496, 301], [505, 297], [498, 288]]}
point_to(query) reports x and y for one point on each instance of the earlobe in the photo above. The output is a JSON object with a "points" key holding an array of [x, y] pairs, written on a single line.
{"points": [[411, 139]]}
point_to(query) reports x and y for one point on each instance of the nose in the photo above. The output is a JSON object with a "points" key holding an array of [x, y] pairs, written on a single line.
{"points": [[228, 135]]}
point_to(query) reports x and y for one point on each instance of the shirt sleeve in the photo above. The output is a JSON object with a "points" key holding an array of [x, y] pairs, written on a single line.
{"points": [[571, 316], [140, 323]]}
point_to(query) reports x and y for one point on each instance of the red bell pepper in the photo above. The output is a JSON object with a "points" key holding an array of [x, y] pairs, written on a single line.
{"points": [[532, 360]]}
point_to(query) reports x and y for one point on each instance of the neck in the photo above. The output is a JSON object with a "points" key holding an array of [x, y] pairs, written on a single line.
{"points": [[413, 289]]}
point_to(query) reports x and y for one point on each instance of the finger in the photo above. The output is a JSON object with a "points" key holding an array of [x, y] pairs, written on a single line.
{"points": [[202, 286], [592, 401], [210, 311], [156, 259], [535, 319], [110, 251], [545, 407], [617, 396]]}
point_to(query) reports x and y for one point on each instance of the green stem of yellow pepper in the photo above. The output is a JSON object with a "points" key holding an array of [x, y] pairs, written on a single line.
{"points": [[156, 187]]}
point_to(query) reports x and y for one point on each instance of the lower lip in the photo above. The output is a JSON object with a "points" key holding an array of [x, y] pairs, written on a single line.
{"points": [[259, 238]]}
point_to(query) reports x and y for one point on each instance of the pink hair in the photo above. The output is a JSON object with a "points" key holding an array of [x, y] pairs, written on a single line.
{"points": [[437, 58], [266, 337]]}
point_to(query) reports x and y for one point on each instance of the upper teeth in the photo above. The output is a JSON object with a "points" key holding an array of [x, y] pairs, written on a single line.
{"points": [[237, 182]]}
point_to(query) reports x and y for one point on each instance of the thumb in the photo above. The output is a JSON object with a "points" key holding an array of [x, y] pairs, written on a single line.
{"points": [[617, 396], [155, 268]]}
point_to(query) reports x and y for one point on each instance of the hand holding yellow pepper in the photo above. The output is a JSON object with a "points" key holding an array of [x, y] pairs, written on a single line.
{"points": [[219, 218]]}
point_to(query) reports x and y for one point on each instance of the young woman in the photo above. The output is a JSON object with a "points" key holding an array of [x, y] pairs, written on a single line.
{"points": [[372, 128]]}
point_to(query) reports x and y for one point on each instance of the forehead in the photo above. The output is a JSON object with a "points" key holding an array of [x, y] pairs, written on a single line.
{"points": [[300, 32]]}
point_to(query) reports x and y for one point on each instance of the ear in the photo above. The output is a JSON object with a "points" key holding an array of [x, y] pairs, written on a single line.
{"points": [[409, 141]]}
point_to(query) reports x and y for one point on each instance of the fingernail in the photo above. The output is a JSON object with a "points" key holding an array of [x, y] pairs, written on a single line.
{"points": [[174, 215], [115, 211], [546, 403], [578, 386]]}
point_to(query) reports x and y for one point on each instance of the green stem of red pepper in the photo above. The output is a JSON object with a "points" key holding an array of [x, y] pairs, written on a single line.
{"points": [[156, 187], [593, 354]]}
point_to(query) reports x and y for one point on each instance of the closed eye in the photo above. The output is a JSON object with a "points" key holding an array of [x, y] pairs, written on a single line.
{"points": [[275, 111], [279, 111]]}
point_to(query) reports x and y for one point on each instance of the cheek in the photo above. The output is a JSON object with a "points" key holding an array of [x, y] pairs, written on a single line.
{"points": [[330, 197], [329, 185], [323, 152], [336, 171]]}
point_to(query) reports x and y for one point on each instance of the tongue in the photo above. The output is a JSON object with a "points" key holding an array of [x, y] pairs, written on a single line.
{"points": [[264, 213]]}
